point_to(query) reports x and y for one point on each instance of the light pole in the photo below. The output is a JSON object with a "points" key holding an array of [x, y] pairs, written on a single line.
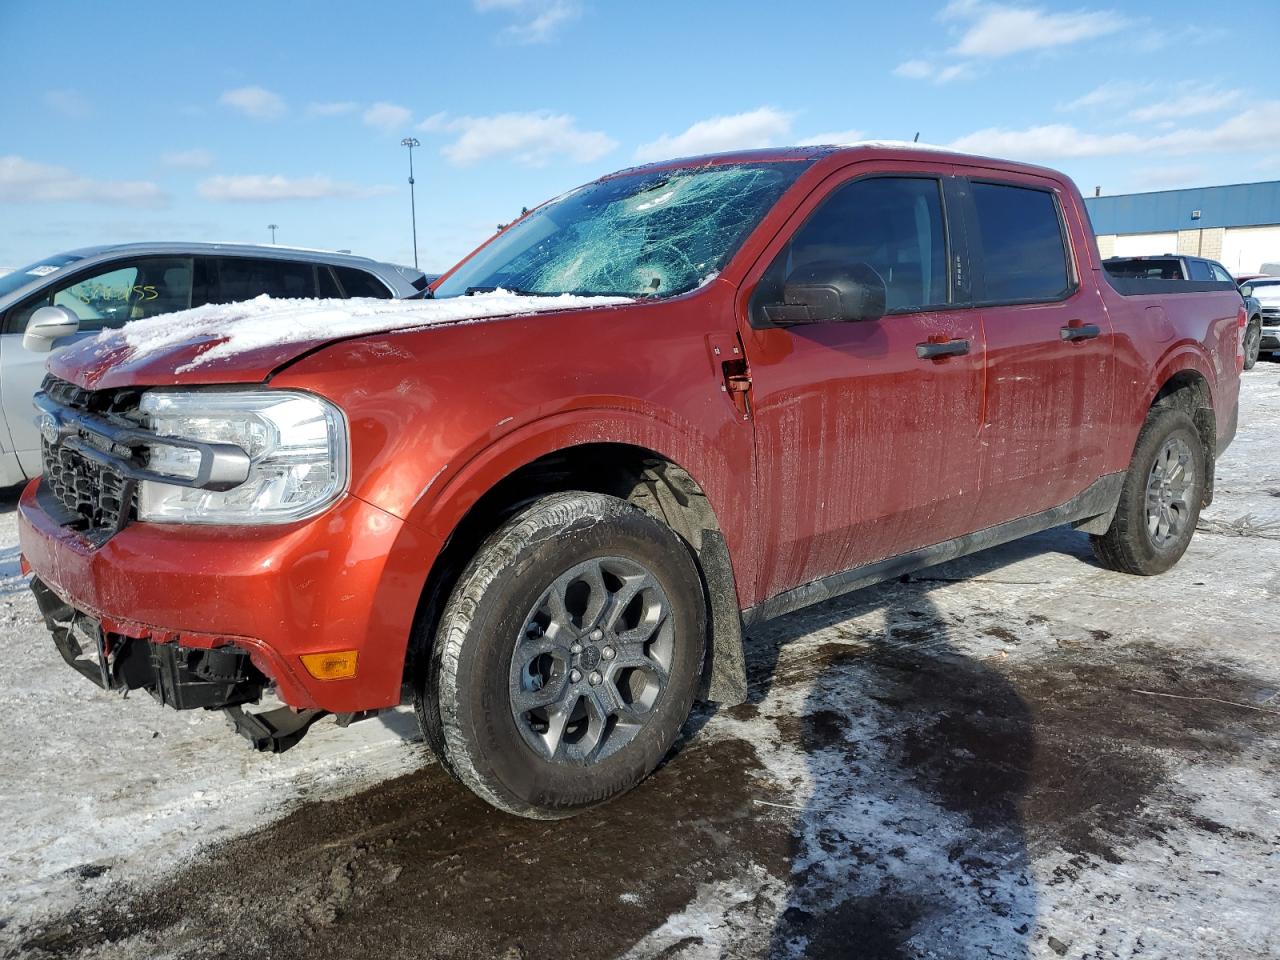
{"points": [[273, 228], [412, 142]]}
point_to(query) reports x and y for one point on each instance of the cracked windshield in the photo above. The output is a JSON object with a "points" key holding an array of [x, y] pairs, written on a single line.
{"points": [[653, 234]]}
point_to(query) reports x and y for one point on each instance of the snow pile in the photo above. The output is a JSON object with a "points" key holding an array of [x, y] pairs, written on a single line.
{"points": [[237, 328]]}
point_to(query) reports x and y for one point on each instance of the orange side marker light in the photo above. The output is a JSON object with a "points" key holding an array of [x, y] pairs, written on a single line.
{"points": [[339, 665]]}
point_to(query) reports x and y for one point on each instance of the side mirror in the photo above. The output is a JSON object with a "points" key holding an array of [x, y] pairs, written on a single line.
{"points": [[46, 325], [829, 291]]}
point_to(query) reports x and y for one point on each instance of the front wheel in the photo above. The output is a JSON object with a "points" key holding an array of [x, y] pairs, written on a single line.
{"points": [[567, 657], [1160, 500]]}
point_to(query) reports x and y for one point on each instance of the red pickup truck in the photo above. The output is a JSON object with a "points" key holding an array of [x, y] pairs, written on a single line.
{"points": [[673, 402]]}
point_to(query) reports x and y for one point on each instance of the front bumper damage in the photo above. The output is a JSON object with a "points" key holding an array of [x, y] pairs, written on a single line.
{"points": [[182, 677]]}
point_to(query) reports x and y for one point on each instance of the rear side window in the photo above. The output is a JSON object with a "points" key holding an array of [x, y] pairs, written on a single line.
{"points": [[892, 224], [1024, 255], [327, 285], [1199, 270], [357, 283], [1145, 269], [243, 279]]}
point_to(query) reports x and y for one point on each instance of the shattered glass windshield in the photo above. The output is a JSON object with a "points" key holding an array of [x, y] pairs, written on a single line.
{"points": [[647, 234]]}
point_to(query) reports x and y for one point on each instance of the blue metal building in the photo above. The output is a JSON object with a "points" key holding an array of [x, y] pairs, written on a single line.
{"points": [[1234, 205], [1237, 224]]}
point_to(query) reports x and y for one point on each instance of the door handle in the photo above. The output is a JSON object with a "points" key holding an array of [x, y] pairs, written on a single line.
{"points": [[939, 351], [1082, 331]]}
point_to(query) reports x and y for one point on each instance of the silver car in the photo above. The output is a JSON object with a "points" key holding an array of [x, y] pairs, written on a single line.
{"points": [[61, 299]]}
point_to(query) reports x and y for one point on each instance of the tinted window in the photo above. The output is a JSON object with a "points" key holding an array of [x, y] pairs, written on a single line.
{"points": [[244, 279], [115, 294], [1145, 269], [327, 285], [1198, 270], [357, 283], [893, 225], [1023, 254]]}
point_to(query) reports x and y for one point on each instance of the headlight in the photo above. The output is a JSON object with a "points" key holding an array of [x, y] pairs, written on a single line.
{"points": [[297, 447]]}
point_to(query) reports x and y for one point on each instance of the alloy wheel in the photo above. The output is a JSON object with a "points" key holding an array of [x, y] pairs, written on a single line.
{"points": [[592, 659]]}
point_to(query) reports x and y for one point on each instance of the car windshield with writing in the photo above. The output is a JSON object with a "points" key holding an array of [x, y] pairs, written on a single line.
{"points": [[646, 234]]}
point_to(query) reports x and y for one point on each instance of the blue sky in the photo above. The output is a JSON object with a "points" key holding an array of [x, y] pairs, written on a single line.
{"points": [[161, 120]]}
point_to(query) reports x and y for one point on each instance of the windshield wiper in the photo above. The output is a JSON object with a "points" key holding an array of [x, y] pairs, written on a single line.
{"points": [[472, 291]]}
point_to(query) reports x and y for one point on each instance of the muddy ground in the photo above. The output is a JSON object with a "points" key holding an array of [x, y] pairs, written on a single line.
{"points": [[1017, 754]]}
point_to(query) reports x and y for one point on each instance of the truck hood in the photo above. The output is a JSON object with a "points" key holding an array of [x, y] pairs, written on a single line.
{"points": [[246, 342]]}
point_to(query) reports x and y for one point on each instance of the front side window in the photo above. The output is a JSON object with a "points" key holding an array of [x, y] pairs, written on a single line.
{"points": [[115, 295], [1220, 273], [1024, 255], [646, 234], [894, 225]]}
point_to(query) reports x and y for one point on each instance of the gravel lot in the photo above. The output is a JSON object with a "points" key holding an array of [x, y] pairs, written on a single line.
{"points": [[1017, 754]]}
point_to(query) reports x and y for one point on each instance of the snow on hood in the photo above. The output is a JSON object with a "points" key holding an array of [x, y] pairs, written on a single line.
{"points": [[238, 328]]}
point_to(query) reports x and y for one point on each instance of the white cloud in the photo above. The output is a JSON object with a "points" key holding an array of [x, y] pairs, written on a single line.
{"points": [[998, 30], [924, 70], [333, 108], [1167, 177], [254, 102], [1108, 94], [1189, 104], [837, 137], [387, 116], [914, 70], [1242, 132], [764, 127], [25, 181], [67, 102], [1048, 140], [530, 138], [262, 187], [535, 21], [187, 159]]}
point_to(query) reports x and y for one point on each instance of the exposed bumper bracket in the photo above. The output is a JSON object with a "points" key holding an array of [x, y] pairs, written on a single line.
{"points": [[273, 731]]}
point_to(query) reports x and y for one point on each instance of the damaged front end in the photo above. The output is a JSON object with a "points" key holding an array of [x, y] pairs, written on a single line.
{"points": [[183, 677]]}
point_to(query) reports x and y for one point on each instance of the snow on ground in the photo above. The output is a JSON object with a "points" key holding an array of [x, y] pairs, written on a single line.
{"points": [[1017, 754], [93, 782]]}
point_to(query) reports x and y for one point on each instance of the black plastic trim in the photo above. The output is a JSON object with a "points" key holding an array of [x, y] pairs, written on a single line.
{"points": [[1099, 497]]}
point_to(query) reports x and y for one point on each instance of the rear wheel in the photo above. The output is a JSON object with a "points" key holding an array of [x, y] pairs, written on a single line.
{"points": [[1252, 341], [1160, 500], [567, 657]]}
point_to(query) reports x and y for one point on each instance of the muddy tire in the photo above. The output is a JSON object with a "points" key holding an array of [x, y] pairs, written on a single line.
{"points": [[1160, 500], [1252, 342], [567, 656]]}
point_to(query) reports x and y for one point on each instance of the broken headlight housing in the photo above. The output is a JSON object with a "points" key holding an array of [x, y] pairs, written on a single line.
{"points": [[296, 442]]}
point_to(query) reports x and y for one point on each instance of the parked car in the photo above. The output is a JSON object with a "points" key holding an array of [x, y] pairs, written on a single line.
{"points": [[1266, 292], [106, 286], [1201, 269], [679, 400]]}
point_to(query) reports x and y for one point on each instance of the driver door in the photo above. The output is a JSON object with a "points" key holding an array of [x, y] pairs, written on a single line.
{"points": [[867, 449]]}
